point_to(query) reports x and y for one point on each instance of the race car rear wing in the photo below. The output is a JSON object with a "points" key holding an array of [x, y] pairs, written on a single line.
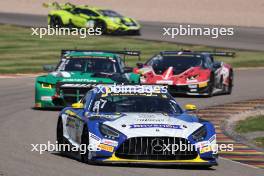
{"points": [[212, 53], [57, 6], [124, 52], [220, 53]]}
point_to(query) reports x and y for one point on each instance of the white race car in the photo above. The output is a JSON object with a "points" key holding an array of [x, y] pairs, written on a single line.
{"points": [[136, 124]]}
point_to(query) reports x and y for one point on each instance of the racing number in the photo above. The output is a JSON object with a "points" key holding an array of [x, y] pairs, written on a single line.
{"points": [[99, 104]]}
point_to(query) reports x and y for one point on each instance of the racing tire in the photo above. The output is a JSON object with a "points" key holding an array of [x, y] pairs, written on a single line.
{"points": [[85, 141], [56, 21], [230, 85], [52, 22], [60, 137], [102, 25], [211, 86]]}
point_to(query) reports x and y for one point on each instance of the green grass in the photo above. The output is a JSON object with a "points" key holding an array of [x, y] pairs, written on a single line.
{"points": [[22, 53], [251, 124], [259, 141]]}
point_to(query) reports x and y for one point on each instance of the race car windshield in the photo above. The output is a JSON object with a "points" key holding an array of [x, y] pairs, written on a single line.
{"points": [[110, 13], [179, 63], [141, 104], [90, 65]]}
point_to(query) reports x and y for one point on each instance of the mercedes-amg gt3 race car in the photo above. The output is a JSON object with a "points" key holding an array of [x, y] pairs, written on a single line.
{"points": [[187, 72], [135, 124], [109, 21], [77, 72]]}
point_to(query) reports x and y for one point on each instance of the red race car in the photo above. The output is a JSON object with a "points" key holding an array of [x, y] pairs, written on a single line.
{"points": [[188, 72]]}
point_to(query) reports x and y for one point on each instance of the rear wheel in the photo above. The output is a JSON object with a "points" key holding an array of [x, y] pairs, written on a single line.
{"points": [[230, 84], [56, 21], [85, 141]]}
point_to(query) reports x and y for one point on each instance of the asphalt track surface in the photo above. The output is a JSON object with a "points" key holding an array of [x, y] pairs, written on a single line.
{"points": [[250, 38], [21, 126]]}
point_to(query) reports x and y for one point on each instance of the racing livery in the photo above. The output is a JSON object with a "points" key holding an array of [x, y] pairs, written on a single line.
{"points": [[136, 124], [77, 72], [109, 21], [187, 72]]}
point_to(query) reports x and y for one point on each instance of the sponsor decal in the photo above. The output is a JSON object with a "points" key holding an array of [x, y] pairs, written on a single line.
{"points": [[202, 144], [106, 147], [93, 136], [192, 81], [205, 149], [46, 98], [155, 126], [109, 142], [149, 120], [169, 82], [79, 80], [212, 138], [78, 85]]}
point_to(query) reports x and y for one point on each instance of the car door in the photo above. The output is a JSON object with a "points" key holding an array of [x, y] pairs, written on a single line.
{"points": [[75, 122]]}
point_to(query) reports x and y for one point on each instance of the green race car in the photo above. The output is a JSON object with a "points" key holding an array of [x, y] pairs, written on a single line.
{"points": [[83, 16], [79, 71]]}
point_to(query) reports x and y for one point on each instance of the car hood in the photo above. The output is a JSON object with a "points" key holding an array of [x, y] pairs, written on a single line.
{"points": [[79, 77], [154, 124], [170, 76]]}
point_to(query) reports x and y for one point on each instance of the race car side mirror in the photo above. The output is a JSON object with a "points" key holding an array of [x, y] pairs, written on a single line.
{"points": [[77, 105], [140, 65], [190, 107], [49, 68]]}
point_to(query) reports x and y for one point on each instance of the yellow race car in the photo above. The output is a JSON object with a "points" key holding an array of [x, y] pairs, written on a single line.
{"points": [[84, 16]]}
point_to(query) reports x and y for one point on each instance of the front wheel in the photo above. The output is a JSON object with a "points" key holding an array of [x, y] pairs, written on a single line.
{"points": [[101, 25], [230, 84], [211, 86], [85, 141], [60, 136]]}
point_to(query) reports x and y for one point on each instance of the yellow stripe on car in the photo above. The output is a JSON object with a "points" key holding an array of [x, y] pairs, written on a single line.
{"points": [[196, 160]]}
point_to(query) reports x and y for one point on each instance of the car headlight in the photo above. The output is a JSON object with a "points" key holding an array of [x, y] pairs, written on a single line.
{"points": [[108, 132], [46, 86], [200, 134]]}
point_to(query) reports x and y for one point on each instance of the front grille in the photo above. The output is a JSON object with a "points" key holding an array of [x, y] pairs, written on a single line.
{"points": [[153, 148], [72, 92], [72, 95]]}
